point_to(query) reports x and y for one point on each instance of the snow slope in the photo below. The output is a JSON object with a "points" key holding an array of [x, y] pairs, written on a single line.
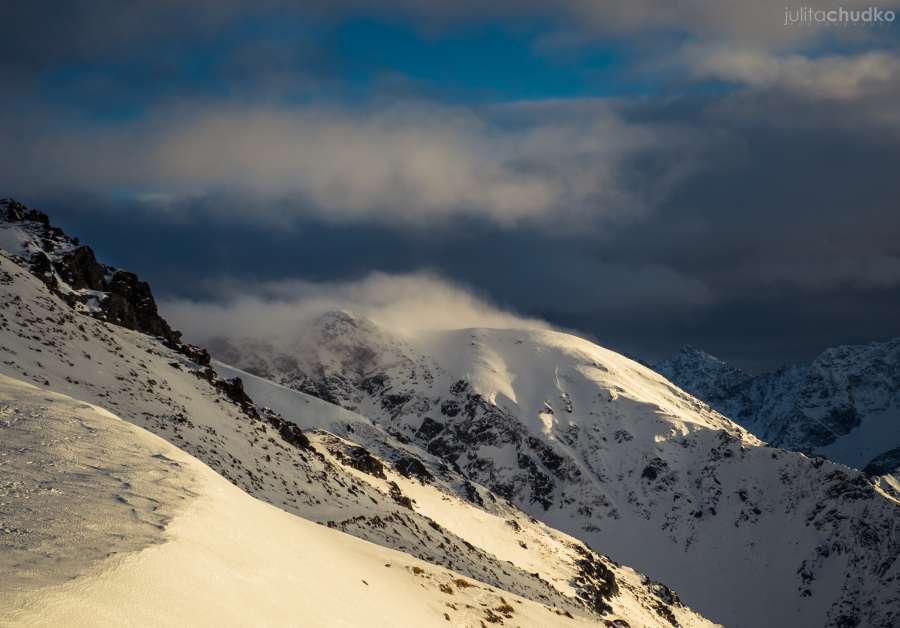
{"points": [[845, 405], [472, 512], [610, 452], [47, 338], [45, 342], [218, 558]]}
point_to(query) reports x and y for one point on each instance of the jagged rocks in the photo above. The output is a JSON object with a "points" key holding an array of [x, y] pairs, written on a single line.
{"points": [[398, 496], [429, 429], [130, 304], [540, 483], [14, 211], [445, 449], [360, 459], [471, 493], [195, 354], [654, 468], [80, 269], [888, 462], [42, 267], [595, 583], [661, 591], [71, 271], [413, 467], [292, 434], [233, 388]]}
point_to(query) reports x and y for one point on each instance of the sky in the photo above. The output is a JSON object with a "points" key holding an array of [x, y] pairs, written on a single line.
{"points": [[646, 174]]}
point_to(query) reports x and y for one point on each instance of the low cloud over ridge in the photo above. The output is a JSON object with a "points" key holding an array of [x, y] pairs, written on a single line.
{"points": [[405, 304]]}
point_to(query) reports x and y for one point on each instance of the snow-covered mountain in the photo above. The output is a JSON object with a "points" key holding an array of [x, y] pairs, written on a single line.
{"points": [[701, 374], [104, 345], [844, 405], [607, 450], [141, 533]]}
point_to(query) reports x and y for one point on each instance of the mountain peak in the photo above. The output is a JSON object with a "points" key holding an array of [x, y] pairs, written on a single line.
{"points": [[341, 317], [72, 272], [691, 352], [700, 373], [12, 210], [842, 405]]}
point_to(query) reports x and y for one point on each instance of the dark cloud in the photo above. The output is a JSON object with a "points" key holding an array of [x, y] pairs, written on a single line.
{"points": [[746, 205], [41, 33], [407, 163]]}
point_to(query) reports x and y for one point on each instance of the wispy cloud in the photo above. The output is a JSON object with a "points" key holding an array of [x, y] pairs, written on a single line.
{"points": [[829, 77], [405, 304]]}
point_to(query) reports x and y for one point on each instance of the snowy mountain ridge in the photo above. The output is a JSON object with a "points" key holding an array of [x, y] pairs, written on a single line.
{"points": [[844, 405], [163, 537], [609, 451]]}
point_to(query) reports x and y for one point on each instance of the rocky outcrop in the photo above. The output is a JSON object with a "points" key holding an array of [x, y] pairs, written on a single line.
{"points": [[130, 304], [360, 459], [72, 272], [888, 462], [12, 210], [413, 467]]}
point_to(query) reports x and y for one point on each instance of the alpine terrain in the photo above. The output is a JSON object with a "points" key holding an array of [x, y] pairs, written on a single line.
{"points": [[118, 444], [844, 405], [607, 450]]}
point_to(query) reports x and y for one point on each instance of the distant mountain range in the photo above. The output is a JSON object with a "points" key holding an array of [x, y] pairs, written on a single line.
{"points": [[844, 405]]}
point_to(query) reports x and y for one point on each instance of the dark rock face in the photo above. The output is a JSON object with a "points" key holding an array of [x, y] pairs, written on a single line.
{"points": [[596, 583], [288, 431], [293, 435], [195, 354], [398, 496], [429, 429], [360, 459], [130, 304], [42, 268], [650, 472], [413, 467], [883, 464], [80, 269], [472, 494], [234, 390], [13, 211]]}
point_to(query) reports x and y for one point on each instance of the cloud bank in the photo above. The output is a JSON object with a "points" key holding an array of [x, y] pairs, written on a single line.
{"points": [[738, 192], [408, 164], [405, 304]]}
